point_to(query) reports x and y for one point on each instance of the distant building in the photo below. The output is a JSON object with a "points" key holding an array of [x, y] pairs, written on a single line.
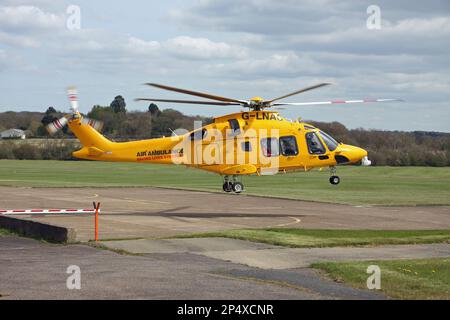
{"points": [[12, 134]]}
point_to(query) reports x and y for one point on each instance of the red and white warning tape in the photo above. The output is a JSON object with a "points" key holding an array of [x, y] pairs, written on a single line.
{"points": [[46, 211]]}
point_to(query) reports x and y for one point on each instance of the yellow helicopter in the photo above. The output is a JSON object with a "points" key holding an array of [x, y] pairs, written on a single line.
{"points": [[256, 141]]}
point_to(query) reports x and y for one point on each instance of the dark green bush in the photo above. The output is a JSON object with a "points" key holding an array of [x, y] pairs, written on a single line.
{"points": [[51, 149]]}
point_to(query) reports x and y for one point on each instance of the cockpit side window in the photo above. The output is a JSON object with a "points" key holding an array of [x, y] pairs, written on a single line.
{"points": [[270, 147], [288, 146], [234, 126], [329, 141], [315, 146], [199, 134]]}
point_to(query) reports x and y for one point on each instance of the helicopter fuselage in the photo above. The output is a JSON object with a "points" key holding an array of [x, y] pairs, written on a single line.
{"points": [[254, 142]]}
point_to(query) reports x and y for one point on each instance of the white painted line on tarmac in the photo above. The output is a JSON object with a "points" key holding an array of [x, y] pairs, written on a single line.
{"points": [[296, 220], [259, 208], [145, 201]]}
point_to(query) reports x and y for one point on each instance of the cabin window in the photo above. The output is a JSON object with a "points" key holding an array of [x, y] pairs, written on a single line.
{"points": [[329, 141], [270, 147], [288, 146], [234, 126], [246, 146], [199, 134], [315, 146]]}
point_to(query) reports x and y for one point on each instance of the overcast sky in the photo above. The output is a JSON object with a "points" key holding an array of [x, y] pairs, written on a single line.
{"points": [[233, 48]]}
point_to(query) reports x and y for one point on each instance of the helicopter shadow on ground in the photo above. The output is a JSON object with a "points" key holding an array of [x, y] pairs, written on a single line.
{"points": [[172, 213]]}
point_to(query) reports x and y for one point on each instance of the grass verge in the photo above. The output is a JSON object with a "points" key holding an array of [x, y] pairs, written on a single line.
{"points": [[307, 238], [400, 279], [387, 186]]}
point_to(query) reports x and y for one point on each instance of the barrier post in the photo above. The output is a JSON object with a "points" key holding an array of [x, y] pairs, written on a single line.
{"points": [[97, 207]]}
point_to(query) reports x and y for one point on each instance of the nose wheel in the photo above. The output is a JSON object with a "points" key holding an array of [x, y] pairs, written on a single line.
{"points": [[334, 179], [232, 185]]}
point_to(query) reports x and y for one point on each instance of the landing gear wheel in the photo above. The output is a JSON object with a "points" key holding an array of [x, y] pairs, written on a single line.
{"points": [[227, 187], [335, 180], [238, 187]]}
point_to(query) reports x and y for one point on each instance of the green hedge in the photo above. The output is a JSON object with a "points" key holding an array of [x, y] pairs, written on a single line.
{"points": [[41, 149]]}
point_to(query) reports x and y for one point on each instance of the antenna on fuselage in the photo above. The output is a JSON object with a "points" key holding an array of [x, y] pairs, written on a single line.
{"points": [[173, 132]]}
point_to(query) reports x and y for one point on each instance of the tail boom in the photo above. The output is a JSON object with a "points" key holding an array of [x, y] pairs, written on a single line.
{"points": [[98, 147]]}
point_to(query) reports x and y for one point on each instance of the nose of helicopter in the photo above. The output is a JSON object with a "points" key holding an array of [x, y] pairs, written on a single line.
{"points": [[351, 154]]}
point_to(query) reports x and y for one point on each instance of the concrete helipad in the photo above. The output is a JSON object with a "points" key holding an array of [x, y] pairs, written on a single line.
{"points": [[157, 212], [33, 269], [194, 245], [265, 256]]}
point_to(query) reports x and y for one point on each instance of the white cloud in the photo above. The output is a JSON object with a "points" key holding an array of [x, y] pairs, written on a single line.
{"points": [[202, 48], [18, 40], [400, 36], [421, 83], [25, 26], [141, 47], [277, 65], [424, 27], [28, 18], [235, 48]]}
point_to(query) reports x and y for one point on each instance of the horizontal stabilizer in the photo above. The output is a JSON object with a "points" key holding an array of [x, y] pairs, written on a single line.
{"points": [[93, 151]]}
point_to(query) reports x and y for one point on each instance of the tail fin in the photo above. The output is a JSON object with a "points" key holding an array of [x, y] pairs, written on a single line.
{"points": [[94, 144]]}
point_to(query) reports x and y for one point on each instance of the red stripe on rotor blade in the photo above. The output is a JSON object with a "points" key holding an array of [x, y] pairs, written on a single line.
{"points": [[36, 210], [18, 211], [338, 101], [54, 210]]}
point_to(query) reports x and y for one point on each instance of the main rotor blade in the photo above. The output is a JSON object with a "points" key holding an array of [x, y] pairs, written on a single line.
{"points": [[192, 102], [194, 93], [297, 92], [334, 102]]}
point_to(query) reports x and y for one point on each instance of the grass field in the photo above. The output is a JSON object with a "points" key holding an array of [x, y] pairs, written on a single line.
{"points": [[4, 232], [303, 238], [359, 185], [401, 279]]}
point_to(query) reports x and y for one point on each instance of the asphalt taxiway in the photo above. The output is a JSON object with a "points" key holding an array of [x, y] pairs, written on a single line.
{"points": [[142, 267], [158, 212], [33, 269]]}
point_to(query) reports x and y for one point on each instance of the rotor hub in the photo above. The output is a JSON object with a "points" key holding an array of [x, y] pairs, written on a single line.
{"points": [[256, 100], [257, 103]]}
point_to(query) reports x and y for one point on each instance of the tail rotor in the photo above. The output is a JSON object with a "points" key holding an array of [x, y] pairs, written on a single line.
{"points": [[55, 126], [72, 93], [96, 124], [59, 124]]}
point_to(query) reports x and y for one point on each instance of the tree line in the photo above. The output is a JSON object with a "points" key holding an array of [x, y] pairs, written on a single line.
{"points": [[119, 123], [393, 148]]}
